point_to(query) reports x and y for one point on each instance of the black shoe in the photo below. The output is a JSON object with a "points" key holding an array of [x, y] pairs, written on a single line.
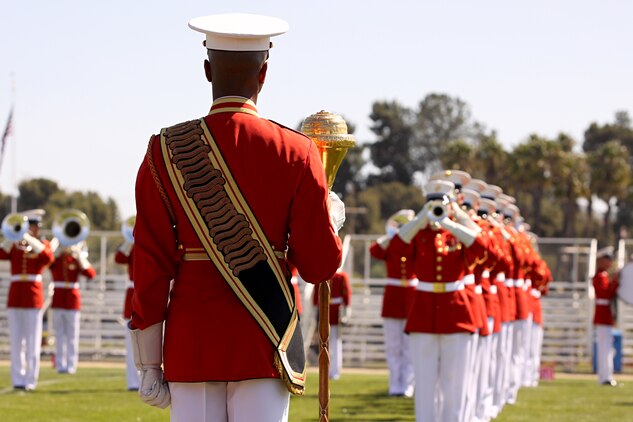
{"points": [[19, 387], [132, 389], [396, 394], [610, 383]]}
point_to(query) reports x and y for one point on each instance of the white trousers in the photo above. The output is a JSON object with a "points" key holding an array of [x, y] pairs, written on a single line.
{"points": [[485, 405], [528, 364], [535, 354], [261, 400], [336, 352], [470, 377], [501, 373], [440, 368], [519, 338], [481, 387], [401, 380], [604, 352], [66, 324], [131, 374], [25, 335]]}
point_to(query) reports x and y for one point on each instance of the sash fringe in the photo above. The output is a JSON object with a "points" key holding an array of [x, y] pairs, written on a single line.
{"points": [[297, 390]]}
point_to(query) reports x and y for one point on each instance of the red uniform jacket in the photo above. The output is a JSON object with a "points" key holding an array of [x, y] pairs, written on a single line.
{"points": [[66, 268], [340, 294], [518, 249], [440, 258], [121, 258], [209, 334], [605, 292], [25, 266], [396, 300]]}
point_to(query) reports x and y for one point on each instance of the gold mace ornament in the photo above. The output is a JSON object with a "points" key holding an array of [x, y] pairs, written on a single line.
{"points": [[329, 132]]}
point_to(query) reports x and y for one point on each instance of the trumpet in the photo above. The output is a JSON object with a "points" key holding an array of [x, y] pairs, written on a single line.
{"points": [[437, 210], [127, 229], [71, 227], [15, 226]]}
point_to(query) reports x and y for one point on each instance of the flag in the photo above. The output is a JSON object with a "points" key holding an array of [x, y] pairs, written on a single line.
{"points": [[5, 136]]}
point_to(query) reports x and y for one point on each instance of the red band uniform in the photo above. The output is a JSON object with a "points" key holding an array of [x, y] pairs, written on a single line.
{"points": [[29, 258], [66, 304], [125, 256]]}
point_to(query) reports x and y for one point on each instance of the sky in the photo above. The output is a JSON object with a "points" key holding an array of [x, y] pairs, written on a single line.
{"points": [[91, 81]]}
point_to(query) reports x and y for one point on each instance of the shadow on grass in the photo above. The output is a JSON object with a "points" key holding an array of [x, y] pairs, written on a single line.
{"points": [[624, 403]]}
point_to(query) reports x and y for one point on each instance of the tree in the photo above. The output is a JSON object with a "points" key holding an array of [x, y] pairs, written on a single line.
{"points": [[393, 124], [610, 177], [491, 160], [458, 155], [35, 193], [383, 200]]}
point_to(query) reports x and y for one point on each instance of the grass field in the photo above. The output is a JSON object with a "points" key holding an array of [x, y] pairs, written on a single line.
{"points": [[98, 394]]}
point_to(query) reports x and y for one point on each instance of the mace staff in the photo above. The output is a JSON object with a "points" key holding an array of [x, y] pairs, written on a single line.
{"points": [[329, 133]]}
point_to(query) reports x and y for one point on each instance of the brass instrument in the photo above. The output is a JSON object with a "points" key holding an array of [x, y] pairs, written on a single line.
{"points": [[437, 210], [15, 226], [127, 229], [71, 227], [329, 132]]}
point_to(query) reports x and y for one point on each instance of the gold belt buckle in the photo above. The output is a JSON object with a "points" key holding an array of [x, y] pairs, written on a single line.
{"points": [[24, 277], [439, 287]]}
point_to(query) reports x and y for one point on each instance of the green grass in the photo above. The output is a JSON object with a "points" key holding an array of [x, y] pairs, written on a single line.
{"points": [[98, 394]]}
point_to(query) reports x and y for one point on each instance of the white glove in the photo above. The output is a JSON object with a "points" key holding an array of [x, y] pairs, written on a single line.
{"points": [[421, 220], [54, 244], [7, 245], [462, 217], [345, 314], [337, 211], [126, 247], [34, 243], [464, 234], [384, 241], [147, 345]]}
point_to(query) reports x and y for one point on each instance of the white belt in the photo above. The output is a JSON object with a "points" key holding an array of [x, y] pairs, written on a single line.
{"points": [[469, 279], [66, 284], [528, 285], [493, 290], [336, 301], [478, 289], [27, 277], [501, 277], [485, 274], [130, 284], [402, 283], [535, 293], [452, 286], [519, 282], [603, 302], [509, 282]]}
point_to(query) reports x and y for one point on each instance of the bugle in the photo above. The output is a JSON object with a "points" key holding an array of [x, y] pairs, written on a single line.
{"points": [[15, 226], [71, 227]]}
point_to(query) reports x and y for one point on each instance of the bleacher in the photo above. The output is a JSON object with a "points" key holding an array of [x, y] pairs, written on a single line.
{"points": [[568, 309]]}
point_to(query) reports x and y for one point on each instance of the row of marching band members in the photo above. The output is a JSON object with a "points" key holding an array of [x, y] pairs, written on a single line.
{"points": [[461, 309], [30, 255]]}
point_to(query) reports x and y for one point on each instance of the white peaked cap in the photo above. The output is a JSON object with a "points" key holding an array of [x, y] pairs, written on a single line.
{"points": [[470, 196], [605, 252], [512, 211], [458, 177], [34, 215], [487, 205], [401, 217], [238, 31], [491, 192], [477, 185], [437, 189], [509, 199]]}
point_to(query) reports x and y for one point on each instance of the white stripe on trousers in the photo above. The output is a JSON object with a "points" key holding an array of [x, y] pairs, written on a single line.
{"points": [[439, 367], [131, 374], [604, 352], [66, 325], [265, 400], [25, 335], [398, 360]]}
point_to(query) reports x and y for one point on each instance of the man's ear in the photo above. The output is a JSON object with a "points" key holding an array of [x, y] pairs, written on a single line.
{"points": [[262, 75], [207, 70]]}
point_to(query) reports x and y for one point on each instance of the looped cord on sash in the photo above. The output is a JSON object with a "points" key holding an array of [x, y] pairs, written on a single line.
{"points": [[228, 228]]}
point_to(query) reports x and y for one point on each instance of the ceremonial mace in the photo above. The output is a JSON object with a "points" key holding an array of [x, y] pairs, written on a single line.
{"points": [[329, 133]]}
